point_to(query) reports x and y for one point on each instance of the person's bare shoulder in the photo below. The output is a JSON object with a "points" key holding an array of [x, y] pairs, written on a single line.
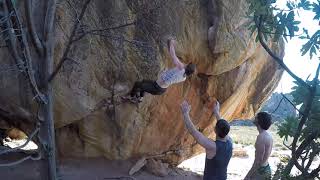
{"points": [[269, 137], [260, 139], [264, 138]]}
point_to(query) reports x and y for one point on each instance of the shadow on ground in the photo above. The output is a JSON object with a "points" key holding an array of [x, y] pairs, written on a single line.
{"points": [[88, 169]]}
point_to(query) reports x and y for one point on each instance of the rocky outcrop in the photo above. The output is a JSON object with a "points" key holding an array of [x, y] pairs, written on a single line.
{"points": [[91, 120], [280, 107]]}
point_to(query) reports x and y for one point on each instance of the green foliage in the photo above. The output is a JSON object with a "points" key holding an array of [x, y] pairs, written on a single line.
{"points": [[312, 45], [281, 23], [299, 94], [275, 23], [304, 4], [288, 127], [316, 10], [313, 123]]}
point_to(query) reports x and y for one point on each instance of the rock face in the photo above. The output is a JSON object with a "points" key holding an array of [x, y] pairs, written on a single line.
{"points": [[90, 119], [280, 107]]}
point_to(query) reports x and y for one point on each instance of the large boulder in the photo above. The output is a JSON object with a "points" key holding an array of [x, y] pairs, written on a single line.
{"points": [[90, 119]]}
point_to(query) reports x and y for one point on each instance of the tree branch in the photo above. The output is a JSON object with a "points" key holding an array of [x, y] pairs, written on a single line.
{"points": [[12, 37], [288, 35], [287, 146], [314, 173], [278, 105], [102, 30], [308, 105], [27, 56], [47, 127], [315, 151], [303, 120], [69, 43], [34, 35], [258, 23], [30, 70], [38, 157], [292, 104]]}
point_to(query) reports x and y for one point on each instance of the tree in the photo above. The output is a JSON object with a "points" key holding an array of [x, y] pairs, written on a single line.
{"points": [[268, 22], [16, 38]]}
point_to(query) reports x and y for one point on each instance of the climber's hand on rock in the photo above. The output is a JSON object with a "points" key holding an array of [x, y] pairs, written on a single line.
{"points": [[185, 107], [216, 108], [171, 42]]}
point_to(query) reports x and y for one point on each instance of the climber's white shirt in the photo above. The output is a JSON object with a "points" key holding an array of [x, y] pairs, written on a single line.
{"points": [[171, 76]]}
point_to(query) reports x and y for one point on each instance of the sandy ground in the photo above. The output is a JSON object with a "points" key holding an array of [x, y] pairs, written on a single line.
{"points": [[238, 166], [89, 169], [100, 168], [80, 169]]}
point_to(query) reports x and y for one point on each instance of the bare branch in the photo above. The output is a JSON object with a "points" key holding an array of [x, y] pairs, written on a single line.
{"points": [[10, 68], [69, 43], [38, 157], [75, 11], [292, 104], [26, 53], [30, 72], [12, 37], [287, 146], [102, 30], [34, 35], [277, 106]]}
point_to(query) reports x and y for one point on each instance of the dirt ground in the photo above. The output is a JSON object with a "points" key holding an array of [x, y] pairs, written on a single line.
{"points": [[89, 169]]}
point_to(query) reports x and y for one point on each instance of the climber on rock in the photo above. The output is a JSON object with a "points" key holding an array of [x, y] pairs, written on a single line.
{"points": [[166, 78], [218, 152]]}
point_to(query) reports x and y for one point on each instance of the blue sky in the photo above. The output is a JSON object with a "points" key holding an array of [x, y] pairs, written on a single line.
{"points": [[300, 65]]}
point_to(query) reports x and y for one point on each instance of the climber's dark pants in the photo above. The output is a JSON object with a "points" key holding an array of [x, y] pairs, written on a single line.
{"points": [[148, 86]]}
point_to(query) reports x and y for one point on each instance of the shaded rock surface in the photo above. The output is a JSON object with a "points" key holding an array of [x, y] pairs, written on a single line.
{"points": [[90, 119], [91, 168]]}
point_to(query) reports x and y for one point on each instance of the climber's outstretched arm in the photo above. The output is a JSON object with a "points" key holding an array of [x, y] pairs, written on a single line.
{"points": [[173, 55], [205, 142]]}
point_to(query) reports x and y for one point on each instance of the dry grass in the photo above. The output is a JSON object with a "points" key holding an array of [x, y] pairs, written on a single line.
{"points": [[246, 135], [239, 152]]}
